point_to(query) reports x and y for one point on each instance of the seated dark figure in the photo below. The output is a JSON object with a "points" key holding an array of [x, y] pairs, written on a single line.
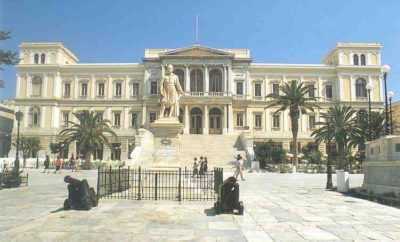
{"points": [[228, 198], [80, 196]]}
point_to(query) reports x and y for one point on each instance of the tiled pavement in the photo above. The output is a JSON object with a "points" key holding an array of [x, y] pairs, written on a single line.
{"points": [[277, 207]]}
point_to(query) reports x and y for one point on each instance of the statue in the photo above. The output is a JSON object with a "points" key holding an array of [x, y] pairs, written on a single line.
{"points": [[170, 89]]}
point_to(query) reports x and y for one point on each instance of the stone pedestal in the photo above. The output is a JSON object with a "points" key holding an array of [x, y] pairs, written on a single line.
{"points": [[166, 143], [342, 178]]}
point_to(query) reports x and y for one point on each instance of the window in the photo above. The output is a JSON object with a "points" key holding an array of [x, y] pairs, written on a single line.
{"points": [[36, 58], [276, 121], [311, 122], [239, 88], [65, 119], [42, 58], [196, 80], [117, 119], [153, 88], [35, 116], [84, 89], [181, 77], [239, 119], [328, 119], [397, 147], [152, 117], [361, 91], [311, 90], [134, 119], [328, 91], [101, 116], [355, 59], [275, 88], [215, 81], [67, 89], [257, 121], [257, 89], [118, 89], [100, 89], [363, 60], [362, 115], [135, 89], [37, 86]]}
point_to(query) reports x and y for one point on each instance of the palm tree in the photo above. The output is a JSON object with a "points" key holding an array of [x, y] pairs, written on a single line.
{"points": [[344, 127], [295, 99], [90, 131], [325, 133]]}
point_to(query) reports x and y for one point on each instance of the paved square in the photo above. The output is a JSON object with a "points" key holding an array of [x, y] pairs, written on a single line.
{"points": [[278, 207]]}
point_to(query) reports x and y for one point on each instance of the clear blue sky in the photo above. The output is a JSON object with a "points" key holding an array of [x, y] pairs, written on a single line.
{"points": [[274, 31]]}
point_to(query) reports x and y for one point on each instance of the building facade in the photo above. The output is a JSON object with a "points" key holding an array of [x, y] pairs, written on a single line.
{"points": [[225, 92], [6, 127]]}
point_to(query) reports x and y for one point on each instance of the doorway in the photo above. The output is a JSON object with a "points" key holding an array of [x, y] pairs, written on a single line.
{"points": [[215, 126], [196, 126]]}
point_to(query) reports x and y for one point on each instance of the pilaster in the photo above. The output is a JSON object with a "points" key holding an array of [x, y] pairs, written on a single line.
{"points": [[144, 113], [285, 121], [110, 87], [18, 94], [76, 86], [266, 86], [43, 117], [352, 89], [44, 87], [57, 85], [26, 117], [206, 120], [187, 79], [225, 87], [267, 122], [224, 123], [127, 81], [28, 85], [230, 119], [93, 87], [126, 118], [187, 122], [339, 87], [319, 88], [206, 80]]}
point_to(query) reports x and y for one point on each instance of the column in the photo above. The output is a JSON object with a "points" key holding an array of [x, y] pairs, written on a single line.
{"points": [[26, 117], [127, 81], [108, 115], [248, 83], [339, 88], [267, 123], [126, 118], [266, 85], [206, 120], [320, 88], [57, 85], [31, 58], [187, 79], [93, 87], [74, 119], [230, 119], [352, 89], [248, 117], [110, 89], [285, 121], [206, 80], [43, 117], [58, 57], [224, 123], [187, 121], [303, 122], [76, 86], [55, 116], [381, 88], [144, 113], [53, 120], [142, 87], [18, 85], [162, 70], [224, 83], [44, 87], [28, 85]]}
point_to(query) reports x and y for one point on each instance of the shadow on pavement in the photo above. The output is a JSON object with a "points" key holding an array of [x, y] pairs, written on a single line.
{"points": [[210, 212], [58, 210]]}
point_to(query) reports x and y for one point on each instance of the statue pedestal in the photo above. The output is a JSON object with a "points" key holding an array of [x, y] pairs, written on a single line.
{"points": [[166, 143]]}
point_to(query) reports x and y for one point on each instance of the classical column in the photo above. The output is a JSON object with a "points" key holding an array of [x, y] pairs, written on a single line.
{"points": [[303, 122], [144, 113], [43, 117], [224, 121], [28, 85], [93, 87], [231, 87], [108, 115], [31, 58], [44, 87], [224, 79], [127, 81], [266, 86], [110, 89], [206, 120], [58, 88], [26, 117], [76, 86], [18, 85], [248, 117], [187, 121], [206, 80], [187, 79], [339, 88], [55, 116], [248, 89], [126, 118], [74, 119], [320, 88], [267, 123], [352, 89], [230, 119], [285, 121]]}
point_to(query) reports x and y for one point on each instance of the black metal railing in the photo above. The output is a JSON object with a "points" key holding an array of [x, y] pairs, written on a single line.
{"points": [[141, 184]]}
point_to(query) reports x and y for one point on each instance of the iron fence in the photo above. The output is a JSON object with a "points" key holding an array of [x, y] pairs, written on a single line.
{"points": [[141, 184]]}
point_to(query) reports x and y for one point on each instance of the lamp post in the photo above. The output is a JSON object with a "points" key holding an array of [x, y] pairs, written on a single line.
{"points": [[390, 95], [369, 88], [385, 70], [18, 117]]}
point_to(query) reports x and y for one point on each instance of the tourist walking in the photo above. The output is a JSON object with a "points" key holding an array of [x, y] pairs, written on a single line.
{"points": [[71, 162], [195, 167], [58, 165], [239, 167], [46, 164]]}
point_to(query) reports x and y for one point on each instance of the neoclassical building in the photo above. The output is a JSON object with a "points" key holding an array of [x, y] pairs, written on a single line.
{"points": [[225, 91]]}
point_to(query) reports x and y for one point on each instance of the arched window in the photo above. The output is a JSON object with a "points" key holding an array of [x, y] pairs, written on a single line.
{"points": [[363, 60], [361, 91], [215, 81], [215, 111], [196, 80], [362, 115], [42, 58], [181, 76], [196, 110], [36, 86], [34, 113], [355, 59], [36, 58]]}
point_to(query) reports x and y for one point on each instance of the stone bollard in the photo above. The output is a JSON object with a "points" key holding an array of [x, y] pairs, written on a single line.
{"points": [[342, 178]]}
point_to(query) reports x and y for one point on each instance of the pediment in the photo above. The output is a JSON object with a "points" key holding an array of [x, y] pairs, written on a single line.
{"points": [[197, 51]]}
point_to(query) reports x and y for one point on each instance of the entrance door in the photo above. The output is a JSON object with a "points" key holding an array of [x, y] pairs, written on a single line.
{"points": [[215, 124], [196, 116]]}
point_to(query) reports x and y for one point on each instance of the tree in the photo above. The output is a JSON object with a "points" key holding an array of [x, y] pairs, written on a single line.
{"points": [[58, 147], [295, 99], [312, 154], [90, 131], [29, 146], [270, 152], [6, 57]]}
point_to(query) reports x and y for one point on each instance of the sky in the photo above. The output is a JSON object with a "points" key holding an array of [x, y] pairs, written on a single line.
{"points": [[284, 31]]}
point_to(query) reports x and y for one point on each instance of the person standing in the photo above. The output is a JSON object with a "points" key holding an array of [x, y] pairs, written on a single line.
{"points": [[239, 167], [72, 163], [46, 164], [58, 165], [195, 167], [205, 165]]}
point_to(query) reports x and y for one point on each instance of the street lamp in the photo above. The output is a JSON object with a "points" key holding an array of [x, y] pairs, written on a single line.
{"points": [[390, 95], [369, 88], [385, 70], [18, 117]]}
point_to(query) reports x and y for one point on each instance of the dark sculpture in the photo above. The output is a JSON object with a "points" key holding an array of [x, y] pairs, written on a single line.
{"points": [[80, 196], [228, 198]]}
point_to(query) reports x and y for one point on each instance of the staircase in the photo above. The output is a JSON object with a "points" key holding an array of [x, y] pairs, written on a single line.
{"points": [[220, 150]]}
